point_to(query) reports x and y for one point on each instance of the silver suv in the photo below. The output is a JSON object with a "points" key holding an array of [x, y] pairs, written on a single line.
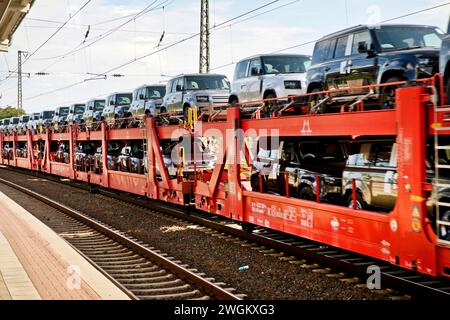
{"points": [[117, 106], [13, 125], [195, 90], [269, 77], [147, 100], [93, 113], [22, 126], [4, 125], [44, 121], [75, 113], [60, 116], [31, 124]]}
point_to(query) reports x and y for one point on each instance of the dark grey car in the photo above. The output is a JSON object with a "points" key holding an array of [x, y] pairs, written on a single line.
{"points": [[366, 55]]}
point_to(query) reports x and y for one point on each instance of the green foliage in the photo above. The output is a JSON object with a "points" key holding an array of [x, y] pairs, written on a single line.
{"points": [[9, 112]]}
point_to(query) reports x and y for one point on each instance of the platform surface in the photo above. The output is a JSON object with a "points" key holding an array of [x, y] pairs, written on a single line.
{"points": [[36, 263]]}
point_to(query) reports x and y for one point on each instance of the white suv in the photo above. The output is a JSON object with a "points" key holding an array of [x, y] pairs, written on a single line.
{"points": [[269, 77], [195, 90]]}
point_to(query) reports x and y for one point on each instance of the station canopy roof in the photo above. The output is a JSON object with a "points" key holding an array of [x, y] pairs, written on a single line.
{"points": [[12, 13]]}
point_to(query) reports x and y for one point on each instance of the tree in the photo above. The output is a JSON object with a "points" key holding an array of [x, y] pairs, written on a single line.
{"points": [[9, 112]]}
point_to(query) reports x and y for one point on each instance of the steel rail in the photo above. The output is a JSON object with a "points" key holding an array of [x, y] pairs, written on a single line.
{"points": [[166, 263], [411, 282]]}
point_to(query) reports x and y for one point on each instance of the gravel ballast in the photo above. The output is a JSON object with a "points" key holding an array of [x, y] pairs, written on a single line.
{"points": [[267, 277]]}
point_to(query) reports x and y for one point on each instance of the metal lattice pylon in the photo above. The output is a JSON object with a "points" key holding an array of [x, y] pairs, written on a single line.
{"points": [[19, 82], [204, 37]]}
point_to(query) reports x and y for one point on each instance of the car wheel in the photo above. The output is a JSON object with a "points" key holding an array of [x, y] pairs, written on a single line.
{"points": [[360, 204], [315, 99], [233, 102], [269, 97], [444, 231], [388, 93], [306, 193], [254, 182], [186, 113]]}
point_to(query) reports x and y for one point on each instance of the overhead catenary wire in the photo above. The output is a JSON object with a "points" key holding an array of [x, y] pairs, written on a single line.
{"points": [[103, 36], [52, 35], [213, 29], [315, 40], [56, 32], [156, 51]]}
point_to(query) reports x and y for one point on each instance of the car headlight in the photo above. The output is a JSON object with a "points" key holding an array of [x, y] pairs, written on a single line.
{"points": [[292, 84], [202, 99]]}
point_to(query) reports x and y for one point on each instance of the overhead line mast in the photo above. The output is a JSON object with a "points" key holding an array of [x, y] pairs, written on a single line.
{"points": [[19, 81], [204, 37]]}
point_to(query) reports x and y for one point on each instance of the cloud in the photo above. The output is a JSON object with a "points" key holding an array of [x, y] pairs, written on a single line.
{"points": [[297, 23]]}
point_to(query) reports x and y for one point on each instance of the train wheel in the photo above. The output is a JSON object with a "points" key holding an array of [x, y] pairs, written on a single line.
{"points": [[248, 227]]}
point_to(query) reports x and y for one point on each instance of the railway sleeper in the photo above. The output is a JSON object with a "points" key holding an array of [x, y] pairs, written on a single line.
{"points": [[179, 296], [118, 250], [140, 278], [143, 273], [147, 270], [97, 245], [100, 254], [114, 265], [153, 285], [159, 291], [79, 236], [121, 257]]}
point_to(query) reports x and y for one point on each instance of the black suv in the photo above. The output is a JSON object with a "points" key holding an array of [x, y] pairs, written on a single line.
{"points": [[302, 162], [366, 55]]}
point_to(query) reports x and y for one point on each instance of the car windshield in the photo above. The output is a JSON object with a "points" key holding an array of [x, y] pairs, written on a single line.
{"points": [[15, 121], [397, 38], [156, 92], [64, 111], [79, 108], [207, 83], [36, 116], [48, 114], [322, 151], [6, 122], [124, 99], [286, 64], [25, 118], [99, 105]]}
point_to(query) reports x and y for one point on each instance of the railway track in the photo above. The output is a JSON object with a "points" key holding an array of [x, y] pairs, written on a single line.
{"points": [[313, 255], [321, 258], [142, 272]]}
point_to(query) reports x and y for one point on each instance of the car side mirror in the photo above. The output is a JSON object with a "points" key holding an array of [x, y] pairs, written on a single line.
{"points": [[362, 47], [255, 72], [111, 103], [141, 97], [179, 88]]}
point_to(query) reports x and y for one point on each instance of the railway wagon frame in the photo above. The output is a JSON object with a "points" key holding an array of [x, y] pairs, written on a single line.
{"points": [[404, 237]]}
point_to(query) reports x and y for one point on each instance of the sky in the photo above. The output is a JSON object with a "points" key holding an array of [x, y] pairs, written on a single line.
{"points": [[281, 25]]}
